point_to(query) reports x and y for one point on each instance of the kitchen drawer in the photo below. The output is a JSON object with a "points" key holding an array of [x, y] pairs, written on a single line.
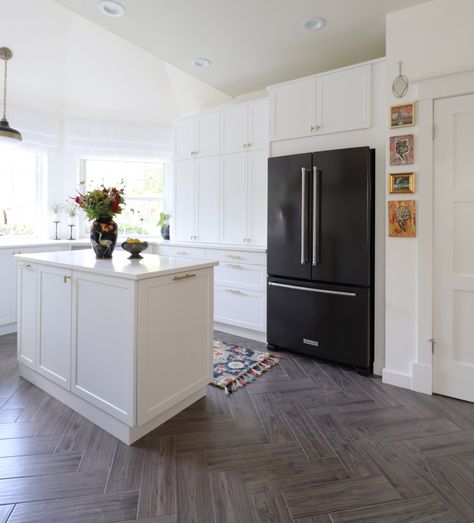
{"points": [[231, 256], [181, 252], [241, 275], [240, 307]]}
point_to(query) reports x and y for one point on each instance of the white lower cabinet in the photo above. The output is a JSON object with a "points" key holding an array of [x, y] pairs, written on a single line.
{"points": [[240, 307], [54, 328], [27, 321], [102, 361]]}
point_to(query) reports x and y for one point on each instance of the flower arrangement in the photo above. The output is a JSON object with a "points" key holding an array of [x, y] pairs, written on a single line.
{"points": [[103, 201]]}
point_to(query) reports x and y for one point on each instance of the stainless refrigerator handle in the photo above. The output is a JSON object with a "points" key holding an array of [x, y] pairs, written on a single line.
{"points": [[303, 215], [307, 289], [315, 217]]}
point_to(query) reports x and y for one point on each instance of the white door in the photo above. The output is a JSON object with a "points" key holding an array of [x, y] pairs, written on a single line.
{"points": [[185, 143], [208, 199], [234, 198], [293, 109], [453, 307], [208, 134], [54, 336], [258, 125], [27, 314], [343, 100], [8, 287], [184, 208], [234, 129], [257, 197]]}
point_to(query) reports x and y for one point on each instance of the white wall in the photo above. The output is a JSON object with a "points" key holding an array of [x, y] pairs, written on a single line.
{"points": [[431, 38], [373, 137]]}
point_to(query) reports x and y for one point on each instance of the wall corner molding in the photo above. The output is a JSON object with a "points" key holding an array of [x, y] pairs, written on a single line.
{"points": [[397, 378]]}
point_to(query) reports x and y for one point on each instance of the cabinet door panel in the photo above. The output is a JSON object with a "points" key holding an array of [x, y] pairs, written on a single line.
{"points": [[185, 142], [234, 129], [184, 178], [27, 320], [103, 339], [208, 198], [257, 197], [54, 307], [240, 307], [8, 286], [208, 134], [258, 124], [234, 198], [344, 100], [293, 110]]}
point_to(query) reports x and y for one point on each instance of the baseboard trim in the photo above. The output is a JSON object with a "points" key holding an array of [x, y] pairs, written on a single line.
{"points": [[397, 378], [422, 378], [239, 331]]}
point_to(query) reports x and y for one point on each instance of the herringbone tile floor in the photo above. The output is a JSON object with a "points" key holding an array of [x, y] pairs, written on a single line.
{"points": [[308, 442]]}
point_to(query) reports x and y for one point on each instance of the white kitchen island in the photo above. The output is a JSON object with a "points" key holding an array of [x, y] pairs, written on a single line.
{"points": [[126, 343]]}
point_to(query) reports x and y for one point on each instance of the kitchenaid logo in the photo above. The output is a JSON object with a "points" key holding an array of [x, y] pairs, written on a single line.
{"points": [[310, 342]]}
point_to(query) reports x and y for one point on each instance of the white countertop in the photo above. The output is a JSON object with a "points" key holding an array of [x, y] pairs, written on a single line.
{"points": [[9, 243], [150, 266]]}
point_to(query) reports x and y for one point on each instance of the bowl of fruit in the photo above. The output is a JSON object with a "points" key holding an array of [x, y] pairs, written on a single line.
{"points": [[134, 246]]}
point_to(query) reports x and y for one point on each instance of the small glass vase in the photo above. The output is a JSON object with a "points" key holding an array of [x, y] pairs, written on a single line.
{"points": [[103, 236]]}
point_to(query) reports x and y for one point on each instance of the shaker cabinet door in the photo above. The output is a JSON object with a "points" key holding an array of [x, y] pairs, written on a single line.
{"points": [[234, 198], [293, 109], [185, 142], [258, 125], [234, 129], [208, 198], [184, 212], [54, 333], [208, 134], [257, 197]]}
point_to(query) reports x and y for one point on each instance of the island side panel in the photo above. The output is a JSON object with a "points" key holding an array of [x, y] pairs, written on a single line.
{"points": [[103, 343], [175, 339]]}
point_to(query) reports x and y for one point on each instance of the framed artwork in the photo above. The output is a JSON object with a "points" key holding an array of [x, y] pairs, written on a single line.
{"points": [[402, 115], [402, 183], [402, 218], [402, 150]]}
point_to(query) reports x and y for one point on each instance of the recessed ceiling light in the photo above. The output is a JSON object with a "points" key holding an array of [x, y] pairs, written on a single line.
{"points": [[111, 8], [201, 63], [314, 23]]}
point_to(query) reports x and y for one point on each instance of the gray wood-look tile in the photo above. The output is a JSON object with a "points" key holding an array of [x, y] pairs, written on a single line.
{"points": [[78, 509], [308, 442], [339, 495]]}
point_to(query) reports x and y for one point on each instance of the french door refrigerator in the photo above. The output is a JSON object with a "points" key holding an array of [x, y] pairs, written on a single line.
{"points": [[321, 255]]}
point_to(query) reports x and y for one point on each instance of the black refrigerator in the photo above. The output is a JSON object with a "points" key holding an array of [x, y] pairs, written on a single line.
{"points": [[321, 255]]}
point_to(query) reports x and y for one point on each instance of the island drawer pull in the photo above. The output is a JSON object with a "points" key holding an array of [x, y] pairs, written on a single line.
{"points": [[235, 291], [234, 257], [183, 276], [26, 266]]}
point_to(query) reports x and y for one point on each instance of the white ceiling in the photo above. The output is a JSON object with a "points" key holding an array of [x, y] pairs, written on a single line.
{"points": [[251, 43]]}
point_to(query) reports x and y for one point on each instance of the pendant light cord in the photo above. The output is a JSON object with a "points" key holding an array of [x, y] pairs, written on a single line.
{"points": [[5, 91]]}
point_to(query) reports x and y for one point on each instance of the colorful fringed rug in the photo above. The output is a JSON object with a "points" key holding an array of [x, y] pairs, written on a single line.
{"points": [[235, 366]]}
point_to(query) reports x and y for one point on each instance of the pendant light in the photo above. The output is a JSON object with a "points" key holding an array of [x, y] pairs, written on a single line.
{"points": [[8, 136]]}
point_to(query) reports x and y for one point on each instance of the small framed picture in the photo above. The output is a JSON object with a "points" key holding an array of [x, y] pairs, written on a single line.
{"points": [[402, 115], [402, 183], [402, 150], [402, 218]]}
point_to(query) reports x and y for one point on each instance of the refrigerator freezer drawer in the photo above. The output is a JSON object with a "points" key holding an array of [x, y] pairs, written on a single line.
{"points": [[325, 321]]}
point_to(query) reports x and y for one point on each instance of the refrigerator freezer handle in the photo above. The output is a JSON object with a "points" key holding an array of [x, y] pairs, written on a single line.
{"points": [[315, 242], [304, 211]]}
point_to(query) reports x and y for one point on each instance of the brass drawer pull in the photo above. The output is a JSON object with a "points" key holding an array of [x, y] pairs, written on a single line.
{"points": [[183, 253], [183, 276], [233, 266], [232, 257]]}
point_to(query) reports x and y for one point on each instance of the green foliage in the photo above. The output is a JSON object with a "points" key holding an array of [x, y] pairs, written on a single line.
{"points": [[164, 219]]}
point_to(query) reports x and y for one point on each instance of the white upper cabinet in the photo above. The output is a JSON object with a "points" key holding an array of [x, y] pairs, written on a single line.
{"points": [[293, 109], [323, 104], [207, 199], [234, 198], [197, 136], [245, 127], [343, 101], [184, 205], [184, 140], [208, 134], [257, 197]]}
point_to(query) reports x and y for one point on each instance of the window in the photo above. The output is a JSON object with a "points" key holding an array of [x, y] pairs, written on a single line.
{"points": [[144, 191], [20, 192]]}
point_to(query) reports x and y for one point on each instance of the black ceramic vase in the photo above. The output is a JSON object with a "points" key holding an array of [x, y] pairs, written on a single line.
{"points": [[165, 231], [103, 236]]}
